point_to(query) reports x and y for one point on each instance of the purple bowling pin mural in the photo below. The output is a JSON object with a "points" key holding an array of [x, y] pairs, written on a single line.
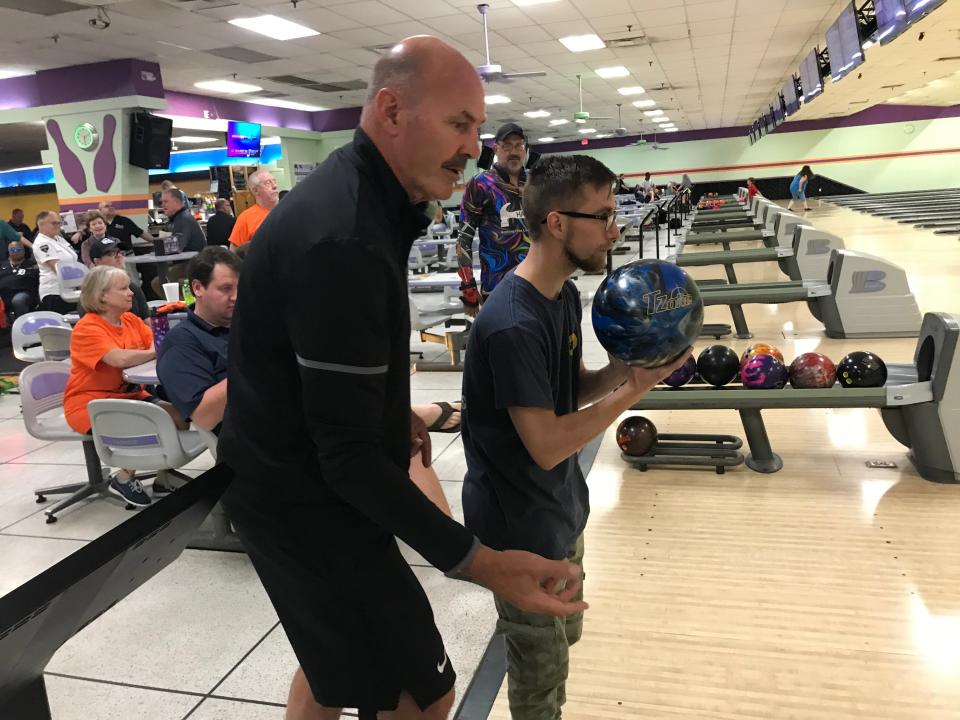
{"points": [[105, 163], [70, 164]]}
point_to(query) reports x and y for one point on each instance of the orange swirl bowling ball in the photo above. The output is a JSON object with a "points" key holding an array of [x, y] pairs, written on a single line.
{"points": [[760, 349]]}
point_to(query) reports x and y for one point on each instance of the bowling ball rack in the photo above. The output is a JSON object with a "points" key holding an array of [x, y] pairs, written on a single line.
{"points": [[691, 450]]}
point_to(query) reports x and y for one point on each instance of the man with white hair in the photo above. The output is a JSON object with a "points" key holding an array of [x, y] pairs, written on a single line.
{"points": [[264, 188]]}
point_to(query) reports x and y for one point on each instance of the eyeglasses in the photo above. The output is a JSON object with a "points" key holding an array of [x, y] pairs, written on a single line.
{"points": [[510, 147], [608, 219], [15, 251]]}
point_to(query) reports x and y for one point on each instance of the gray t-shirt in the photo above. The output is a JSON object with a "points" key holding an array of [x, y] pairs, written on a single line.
{"points": [[524, 351], [187, 231]]}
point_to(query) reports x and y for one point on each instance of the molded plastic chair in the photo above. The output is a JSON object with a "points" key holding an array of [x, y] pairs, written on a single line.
{"points": [[55, 341], [139, 435], [27, 345], [71, 275], [41, 397]]}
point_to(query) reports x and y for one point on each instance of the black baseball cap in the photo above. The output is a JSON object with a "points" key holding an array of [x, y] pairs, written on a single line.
{"points": [[102, 247], [509, 129]]}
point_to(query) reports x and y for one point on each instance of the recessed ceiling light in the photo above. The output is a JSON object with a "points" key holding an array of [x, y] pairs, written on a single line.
{"points": [[14, 72], [602, 135], [634, 90], [289, 104], [644, 103], [274, 27], [662, 120], [673, 129], [537, 114], [586, 131], [496, 99], [559, 121], [668, 125], [612, 72], [582, 43], [487, 136], [193, 139], [227, 86], [546, 139], [652, 113]]}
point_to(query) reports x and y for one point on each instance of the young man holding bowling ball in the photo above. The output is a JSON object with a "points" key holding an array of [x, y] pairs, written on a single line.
{"points": [[524, 385]]}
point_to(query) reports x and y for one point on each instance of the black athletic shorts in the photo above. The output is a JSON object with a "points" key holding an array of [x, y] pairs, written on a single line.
{"points": [[354, 612]]}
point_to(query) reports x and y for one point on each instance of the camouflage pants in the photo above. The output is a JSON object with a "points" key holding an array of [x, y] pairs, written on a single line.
{"points": [[537, 655]]}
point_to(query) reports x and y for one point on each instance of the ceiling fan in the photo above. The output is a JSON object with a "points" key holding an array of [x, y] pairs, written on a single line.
{"points": [[489, 71], [642, 142], [621, 130], [582, 115]]}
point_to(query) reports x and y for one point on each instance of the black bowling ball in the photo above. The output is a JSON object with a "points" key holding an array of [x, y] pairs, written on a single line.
{"points": [[861, 369], [718, 365]]}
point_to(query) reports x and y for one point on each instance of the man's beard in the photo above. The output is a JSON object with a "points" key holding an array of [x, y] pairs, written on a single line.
{"points": [[590, 264]]}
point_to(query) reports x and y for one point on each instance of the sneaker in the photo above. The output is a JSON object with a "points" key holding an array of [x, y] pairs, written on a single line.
{"points": [[160, 488], [131, 492]]}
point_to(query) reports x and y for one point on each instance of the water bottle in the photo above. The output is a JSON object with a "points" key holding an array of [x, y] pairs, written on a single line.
{"points": [[187, 292], [161, 326]]}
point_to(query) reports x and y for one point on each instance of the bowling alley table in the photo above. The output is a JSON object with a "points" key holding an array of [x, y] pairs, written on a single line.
{"points": [[161, 261]]}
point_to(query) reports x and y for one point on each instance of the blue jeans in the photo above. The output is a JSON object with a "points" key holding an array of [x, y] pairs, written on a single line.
{"points": [[798, 194], [20, 303]]}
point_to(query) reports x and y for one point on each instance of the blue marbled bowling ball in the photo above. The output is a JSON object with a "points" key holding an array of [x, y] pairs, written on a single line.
{"points": [[647, 313]]}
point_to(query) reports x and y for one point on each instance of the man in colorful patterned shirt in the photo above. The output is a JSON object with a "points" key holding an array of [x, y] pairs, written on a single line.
{"points": [[491, 205]]}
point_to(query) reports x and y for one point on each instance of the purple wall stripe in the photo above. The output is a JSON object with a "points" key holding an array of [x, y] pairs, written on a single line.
{"points": [[876, 115], [77, 83], [201, 106]]}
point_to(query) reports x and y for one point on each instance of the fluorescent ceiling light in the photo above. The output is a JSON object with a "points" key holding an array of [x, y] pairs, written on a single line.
{"points": [[602, 135], [559, 121], [289, 104], [673, 129], [652, 113], [662, 120], [582, 43], [274, 27], [644, 103], [14, 72], [193, 139], [537, 114], [546, 139], [612, 72], [496, 99], [487, 136], [227, 86], [586, 131], [634, 90]]}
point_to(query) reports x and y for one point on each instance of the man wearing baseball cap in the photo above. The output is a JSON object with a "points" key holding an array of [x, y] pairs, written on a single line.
{"points": [[491, 206], [107, 251]]}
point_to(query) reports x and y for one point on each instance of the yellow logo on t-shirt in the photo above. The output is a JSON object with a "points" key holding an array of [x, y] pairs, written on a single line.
{"points": [[574, 342]]}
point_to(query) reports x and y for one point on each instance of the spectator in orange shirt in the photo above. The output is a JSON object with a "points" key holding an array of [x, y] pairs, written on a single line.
{"points": [[108, 339], [264, 188]]}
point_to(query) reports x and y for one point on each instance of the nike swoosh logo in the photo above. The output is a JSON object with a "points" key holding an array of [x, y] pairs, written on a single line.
{"points": [[441, 666]]}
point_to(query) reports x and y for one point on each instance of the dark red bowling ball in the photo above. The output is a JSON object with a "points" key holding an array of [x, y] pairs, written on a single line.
{"points": [[812, 370], [636, 435]]}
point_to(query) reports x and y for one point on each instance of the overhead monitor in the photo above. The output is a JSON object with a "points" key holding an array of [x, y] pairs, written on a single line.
{"points": [[916, 9], [791, 103], [891, 19], [243, 139], [843, 43], [810, 78]]}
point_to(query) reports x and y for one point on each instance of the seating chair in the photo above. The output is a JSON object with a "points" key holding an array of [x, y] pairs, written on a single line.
{"points": [[454, 335], [55, 341], [71, 275], [141, 436], [27, 345], [41, 397]]}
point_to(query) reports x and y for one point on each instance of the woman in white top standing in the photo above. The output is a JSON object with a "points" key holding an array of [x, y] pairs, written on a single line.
{"points": [[49, 250]]}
